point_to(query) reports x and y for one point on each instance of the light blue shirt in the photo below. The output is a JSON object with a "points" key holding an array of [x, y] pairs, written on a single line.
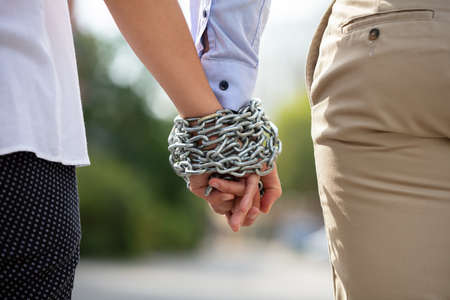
{"points": [[234, 29]]}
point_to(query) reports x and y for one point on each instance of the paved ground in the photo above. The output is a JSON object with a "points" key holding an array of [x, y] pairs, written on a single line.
{"points": [[231, 269]]}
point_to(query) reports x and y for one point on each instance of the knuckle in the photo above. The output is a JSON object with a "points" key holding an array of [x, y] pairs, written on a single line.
{"points": [[243, 209]]}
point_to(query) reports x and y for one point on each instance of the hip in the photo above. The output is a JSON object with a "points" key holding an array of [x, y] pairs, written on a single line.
{"points": [[381, 66]]}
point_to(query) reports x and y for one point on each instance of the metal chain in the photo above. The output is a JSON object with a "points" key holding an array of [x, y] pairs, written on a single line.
{"points": [[226, 143]]}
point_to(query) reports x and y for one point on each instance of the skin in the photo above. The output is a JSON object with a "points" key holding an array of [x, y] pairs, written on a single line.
{"points": [[158, 33], [247, 209], [238, 201]]}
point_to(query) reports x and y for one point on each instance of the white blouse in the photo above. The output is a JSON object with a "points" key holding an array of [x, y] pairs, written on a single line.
{"points": [[40, 105]]}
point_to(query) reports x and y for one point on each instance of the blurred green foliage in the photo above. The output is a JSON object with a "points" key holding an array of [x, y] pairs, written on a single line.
{"points": [[296, 163], [131, 202]]}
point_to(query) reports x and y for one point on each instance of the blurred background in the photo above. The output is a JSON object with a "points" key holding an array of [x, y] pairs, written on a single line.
{"points": [[143, 235]]}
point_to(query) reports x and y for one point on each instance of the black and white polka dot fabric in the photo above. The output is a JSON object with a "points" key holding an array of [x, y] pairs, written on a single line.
{"points": [[40, 228]]}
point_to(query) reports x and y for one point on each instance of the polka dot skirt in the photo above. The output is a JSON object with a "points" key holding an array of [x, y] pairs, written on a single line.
{"points": [[40, 229]]}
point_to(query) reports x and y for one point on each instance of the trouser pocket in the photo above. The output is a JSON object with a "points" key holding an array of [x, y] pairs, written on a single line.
{"points": [[313, 52], [403, 15]]}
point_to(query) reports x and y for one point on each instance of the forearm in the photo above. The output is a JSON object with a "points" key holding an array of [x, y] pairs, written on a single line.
{"points": [[157, 32]]}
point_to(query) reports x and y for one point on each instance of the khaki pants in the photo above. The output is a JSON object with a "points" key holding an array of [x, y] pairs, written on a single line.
{"points": [[378, 77]]}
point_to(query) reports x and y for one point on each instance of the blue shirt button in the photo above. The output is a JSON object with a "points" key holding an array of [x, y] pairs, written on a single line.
{"points": [[223, 85]]}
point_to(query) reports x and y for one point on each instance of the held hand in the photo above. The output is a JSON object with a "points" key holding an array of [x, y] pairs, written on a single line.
{"points": [[239, 200], [246, 205], [219, 202], [249, 205]]}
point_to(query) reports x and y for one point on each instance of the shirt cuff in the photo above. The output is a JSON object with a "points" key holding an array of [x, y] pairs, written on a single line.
{"points": [[232, 82]]}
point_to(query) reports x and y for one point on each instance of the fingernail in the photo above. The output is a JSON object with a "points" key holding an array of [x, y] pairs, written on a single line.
{"points": [[214, 184]]}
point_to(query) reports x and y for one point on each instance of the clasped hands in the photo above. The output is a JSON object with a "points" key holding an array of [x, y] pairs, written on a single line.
{"points": [[239, 201]]}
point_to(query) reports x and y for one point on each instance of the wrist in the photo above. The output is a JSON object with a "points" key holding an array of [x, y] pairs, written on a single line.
{"points": [[199, 108]]}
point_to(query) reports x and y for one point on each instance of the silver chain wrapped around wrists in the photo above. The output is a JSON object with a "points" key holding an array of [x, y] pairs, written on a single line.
{"points": [[226, 143]]}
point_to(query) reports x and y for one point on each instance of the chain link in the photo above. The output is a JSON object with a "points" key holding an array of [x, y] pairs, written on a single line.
{"points": [[226, 143]]}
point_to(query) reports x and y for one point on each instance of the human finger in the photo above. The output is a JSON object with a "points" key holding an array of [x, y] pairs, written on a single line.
{"points": [[252, 189], [251, 216], [272, 190], [222, 208], [228, 216], [253, 212], [216, 198], [198, 184], [227, 186], [240, 210]]}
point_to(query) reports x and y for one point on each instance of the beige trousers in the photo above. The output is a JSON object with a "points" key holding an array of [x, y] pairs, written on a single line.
{"points": [[378, 77]]}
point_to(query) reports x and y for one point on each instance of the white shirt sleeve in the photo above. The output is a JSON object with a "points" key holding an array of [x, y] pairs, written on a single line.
{"points": [[234, 29]]}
